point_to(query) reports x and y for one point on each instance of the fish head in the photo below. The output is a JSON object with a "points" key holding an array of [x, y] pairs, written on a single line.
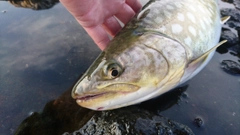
{"points": [[121, 77]]}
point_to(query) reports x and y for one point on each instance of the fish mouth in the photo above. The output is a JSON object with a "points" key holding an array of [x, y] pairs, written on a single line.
{"points": [[89, 97]]}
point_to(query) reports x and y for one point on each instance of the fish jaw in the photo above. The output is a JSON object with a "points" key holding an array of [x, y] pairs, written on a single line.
{"points": [[99, 101], [102, 98], [95, 96], [109, 96]]}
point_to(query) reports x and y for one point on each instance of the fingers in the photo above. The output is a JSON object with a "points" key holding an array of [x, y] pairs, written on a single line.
{"points": [[134, 4], [99, 36], [128, 10], [98, 18], [112, 26], [125, 14]]}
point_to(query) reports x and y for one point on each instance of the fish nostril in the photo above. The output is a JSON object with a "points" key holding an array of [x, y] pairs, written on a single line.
{"points": [[73, 95], [75, 91]]}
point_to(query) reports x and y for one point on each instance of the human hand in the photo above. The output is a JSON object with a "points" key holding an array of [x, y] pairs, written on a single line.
{"points": [[98, 17]]}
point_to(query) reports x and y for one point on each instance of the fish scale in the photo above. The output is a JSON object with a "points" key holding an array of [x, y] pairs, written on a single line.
{"points": [[164, 45]]}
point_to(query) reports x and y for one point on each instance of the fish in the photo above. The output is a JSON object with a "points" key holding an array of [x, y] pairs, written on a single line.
{"points": [[167, 43]]}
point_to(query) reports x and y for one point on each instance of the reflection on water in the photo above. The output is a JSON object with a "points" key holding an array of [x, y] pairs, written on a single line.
{"points": [[43, 53], [34, 4]]}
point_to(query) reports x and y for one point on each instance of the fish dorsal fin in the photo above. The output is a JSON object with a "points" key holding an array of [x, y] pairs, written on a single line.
{"points": [[225, 19], [202, 57]]}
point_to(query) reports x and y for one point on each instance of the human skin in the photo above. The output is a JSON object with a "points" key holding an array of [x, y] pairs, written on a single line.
{"points": [[98, 17]]}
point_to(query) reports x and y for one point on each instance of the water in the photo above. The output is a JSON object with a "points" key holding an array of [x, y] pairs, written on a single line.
{"points": [[43, 53]]}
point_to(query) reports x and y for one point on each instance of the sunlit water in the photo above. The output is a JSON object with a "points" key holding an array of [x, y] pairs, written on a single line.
{"points": [[42, 54]]}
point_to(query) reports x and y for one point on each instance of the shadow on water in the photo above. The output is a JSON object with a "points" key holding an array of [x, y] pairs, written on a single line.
{"points": [[36, 67]]}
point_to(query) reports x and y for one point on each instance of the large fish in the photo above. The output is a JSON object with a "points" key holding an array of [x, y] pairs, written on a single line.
{"points": [[164, 45]]}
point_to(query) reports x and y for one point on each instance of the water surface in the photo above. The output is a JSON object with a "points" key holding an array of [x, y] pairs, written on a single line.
{"points": [[43, 53]]}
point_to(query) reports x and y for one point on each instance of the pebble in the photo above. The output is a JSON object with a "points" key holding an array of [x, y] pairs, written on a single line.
{"points": [[231, 67], [198, 121]]}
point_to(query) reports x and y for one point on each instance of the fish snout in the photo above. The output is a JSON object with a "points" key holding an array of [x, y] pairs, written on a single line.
{"points": [[80, 88]]}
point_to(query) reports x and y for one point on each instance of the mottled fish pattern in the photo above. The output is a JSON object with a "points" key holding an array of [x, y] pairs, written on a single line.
{"points": [[194, 23], [164, 45]]}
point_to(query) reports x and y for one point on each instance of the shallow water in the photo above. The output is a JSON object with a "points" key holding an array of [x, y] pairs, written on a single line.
{"points": [[43, 52]]}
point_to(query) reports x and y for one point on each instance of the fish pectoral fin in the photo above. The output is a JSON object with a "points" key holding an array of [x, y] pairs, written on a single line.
{"points": [[196, 65], [204, 56], [225, 19]]}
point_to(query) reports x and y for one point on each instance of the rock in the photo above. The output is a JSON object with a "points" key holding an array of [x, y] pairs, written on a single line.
{"points": [[228, 1], [231, 38], [232, 33], [198, 121], [131, 121], [234, 13], [34, 4], [232, 43], [230, 67], [64, 116], [237, 3], [233, 24]]}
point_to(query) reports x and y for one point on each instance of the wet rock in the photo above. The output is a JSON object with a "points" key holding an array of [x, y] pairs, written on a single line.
{"points": [[228, 1], [34, 4], [230, 67], [198, 122], [235, 16], [236, 53], [231, 33], [222, 50], [232, 39], [237, 3], [233, 24], [232, 43], [131, 121], [64, 116], [184, 95]]}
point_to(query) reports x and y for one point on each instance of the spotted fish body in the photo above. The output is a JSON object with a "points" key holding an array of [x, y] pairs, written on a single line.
{"points": [[166, 43]]}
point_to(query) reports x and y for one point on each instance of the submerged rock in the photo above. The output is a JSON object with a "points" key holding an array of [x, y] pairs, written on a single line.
{"points": [[232, 39], [235, 16], [131, 121], [198, 122], [231, 33], [64, 116], [237, 3], [34, 4], [228, 1], [230, 67]]}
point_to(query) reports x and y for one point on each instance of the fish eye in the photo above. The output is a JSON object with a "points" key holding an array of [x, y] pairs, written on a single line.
{"points": [[113, 70]]}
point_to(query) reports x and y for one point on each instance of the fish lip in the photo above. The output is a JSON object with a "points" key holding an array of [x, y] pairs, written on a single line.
{"points": [[89, 96]]}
